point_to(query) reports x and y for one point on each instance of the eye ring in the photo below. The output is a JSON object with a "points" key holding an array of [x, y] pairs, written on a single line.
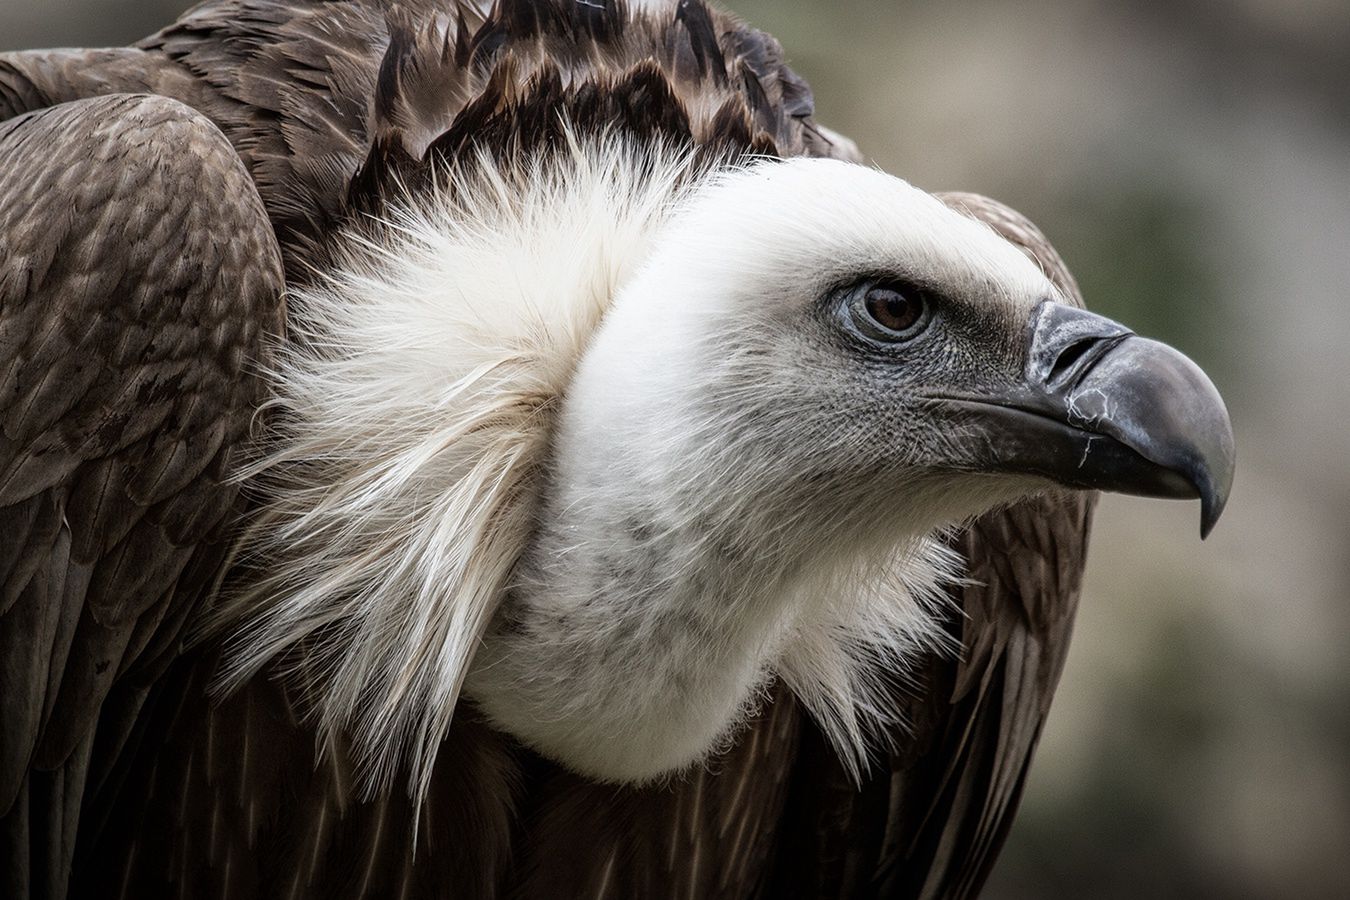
{"points": [[890, 313]]}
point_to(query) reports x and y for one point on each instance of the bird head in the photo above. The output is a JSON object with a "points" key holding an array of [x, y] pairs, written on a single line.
{"points": [[813, 335]]}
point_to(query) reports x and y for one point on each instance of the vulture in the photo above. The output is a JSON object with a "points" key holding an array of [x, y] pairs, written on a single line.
{"points": [[466, 449]]}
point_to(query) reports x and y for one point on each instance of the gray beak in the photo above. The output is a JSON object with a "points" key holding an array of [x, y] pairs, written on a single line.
{"points": [[1103, 409]]}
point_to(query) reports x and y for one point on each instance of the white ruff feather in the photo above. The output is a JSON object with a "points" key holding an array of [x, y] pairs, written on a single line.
{"points": [[415, 401], [868, 628]]}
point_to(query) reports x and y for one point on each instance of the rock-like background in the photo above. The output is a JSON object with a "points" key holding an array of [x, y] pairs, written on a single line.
{"points": [[1191, 159]]}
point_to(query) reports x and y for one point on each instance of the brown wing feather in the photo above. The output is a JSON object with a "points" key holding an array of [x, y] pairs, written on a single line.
{"points": [[228, 797], [290, 84], [298, 88], [139, 276], [708, 834], [957, 789], [36, 79], [227, 800]]}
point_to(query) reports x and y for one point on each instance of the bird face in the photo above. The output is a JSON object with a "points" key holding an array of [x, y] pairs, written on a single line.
{"points": [[819, 342]]}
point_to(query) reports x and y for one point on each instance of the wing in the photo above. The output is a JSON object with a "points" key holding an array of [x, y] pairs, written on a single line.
{"points": [[223, 800], [956, 790], [708, 835], [288, 83], [228, 801], [139, 279], [35, 79]]}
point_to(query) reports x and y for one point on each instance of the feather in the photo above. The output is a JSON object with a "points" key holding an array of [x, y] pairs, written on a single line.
{"points": [[416, 413], [109, 428]]}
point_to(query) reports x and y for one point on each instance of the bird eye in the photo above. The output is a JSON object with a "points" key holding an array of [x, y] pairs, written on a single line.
{"points": [[890, 313]]}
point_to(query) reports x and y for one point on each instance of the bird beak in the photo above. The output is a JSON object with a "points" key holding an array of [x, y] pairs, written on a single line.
{"points": [[1100, 408]]}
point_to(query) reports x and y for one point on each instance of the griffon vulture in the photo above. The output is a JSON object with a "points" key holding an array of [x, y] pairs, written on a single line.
{"points": [[467, 450]]}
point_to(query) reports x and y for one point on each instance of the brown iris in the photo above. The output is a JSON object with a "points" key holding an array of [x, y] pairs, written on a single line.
{"points": [[892, 310]]}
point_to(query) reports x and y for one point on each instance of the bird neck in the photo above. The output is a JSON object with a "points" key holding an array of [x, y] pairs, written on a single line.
{"points": [[635, 635], [664, 587]]}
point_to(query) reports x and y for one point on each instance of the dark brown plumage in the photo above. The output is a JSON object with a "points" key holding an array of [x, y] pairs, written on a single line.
{"points": [[143, 265], [124, 389]]}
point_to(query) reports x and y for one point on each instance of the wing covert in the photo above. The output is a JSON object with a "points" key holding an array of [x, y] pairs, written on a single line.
{"points": [[140, 277]]}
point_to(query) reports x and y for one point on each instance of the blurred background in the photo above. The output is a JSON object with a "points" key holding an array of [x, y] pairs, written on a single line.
{"points": [[1191, 160]]}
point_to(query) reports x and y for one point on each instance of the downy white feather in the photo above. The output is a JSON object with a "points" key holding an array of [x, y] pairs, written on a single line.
{"points": [[414, 403]]}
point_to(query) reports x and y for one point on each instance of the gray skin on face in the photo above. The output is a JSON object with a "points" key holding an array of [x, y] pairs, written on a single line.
{"points": [[851, 407], [1067, 396]]}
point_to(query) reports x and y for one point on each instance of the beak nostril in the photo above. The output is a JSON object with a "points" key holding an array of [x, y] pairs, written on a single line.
{"points": [[1071, 355], [1065, 344], [1079, 357]]}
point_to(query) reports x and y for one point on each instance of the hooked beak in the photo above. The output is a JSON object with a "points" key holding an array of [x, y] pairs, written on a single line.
{"points": [[1100, 408]]}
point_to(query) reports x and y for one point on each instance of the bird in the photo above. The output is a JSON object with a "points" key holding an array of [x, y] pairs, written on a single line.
{"points": [[512, 449]]}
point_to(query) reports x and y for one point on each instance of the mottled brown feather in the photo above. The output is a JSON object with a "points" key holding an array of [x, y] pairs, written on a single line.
{"points": [[125, 388]]}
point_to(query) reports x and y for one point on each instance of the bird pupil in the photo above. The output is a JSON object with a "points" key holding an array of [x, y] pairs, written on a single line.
{"points": [[891, 309]]}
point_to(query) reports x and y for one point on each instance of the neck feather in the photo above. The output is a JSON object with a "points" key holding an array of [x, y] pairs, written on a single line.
{"points": [[649, 612]]}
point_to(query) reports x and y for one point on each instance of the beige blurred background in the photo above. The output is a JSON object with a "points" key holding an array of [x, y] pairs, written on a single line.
{"points": [[1191, 160]]}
